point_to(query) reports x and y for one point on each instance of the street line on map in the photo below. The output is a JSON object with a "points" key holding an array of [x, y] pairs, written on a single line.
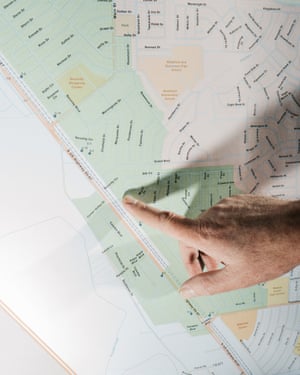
{"points": [[110, 198], [60, 136]]}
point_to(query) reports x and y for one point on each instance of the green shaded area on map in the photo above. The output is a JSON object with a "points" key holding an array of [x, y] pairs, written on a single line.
{"points": [[68, 55], [198, 187]]}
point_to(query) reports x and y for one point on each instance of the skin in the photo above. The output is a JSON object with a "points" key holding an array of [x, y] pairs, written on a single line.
{"points": [[239, 242]]}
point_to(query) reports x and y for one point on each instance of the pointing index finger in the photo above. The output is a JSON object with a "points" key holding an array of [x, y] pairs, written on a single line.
{"points": [[177, 226]]}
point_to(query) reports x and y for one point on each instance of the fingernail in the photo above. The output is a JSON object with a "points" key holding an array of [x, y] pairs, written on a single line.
{"points": [[129, 199], [187, 292]]}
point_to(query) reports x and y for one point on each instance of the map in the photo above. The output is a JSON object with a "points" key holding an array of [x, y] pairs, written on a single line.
{"points": [[179, 104]]}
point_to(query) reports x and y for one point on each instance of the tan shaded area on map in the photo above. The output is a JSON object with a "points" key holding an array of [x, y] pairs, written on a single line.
{"points": [[80, 82], [174, 74], [241, 323], [125, 24], [297, 346], [278, 291]]}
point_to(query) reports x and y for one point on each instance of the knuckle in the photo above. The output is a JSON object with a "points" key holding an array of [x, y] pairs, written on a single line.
{"points": [[165, 217], [225, 201], [204, 229], [212, 228]]}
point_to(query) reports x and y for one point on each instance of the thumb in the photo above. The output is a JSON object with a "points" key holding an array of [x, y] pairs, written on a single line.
{"points": [[212, 282]]}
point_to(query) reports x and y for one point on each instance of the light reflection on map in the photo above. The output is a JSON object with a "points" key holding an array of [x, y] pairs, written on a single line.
{"points": [[181, 104]]}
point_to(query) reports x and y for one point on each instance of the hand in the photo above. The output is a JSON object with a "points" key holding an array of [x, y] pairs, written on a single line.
{"points": [[253, 239]]}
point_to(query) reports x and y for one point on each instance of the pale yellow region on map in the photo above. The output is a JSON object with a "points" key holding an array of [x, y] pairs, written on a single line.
{"points": [[278, 291], [241, 323], [297, 346], [174, 74], [80, 82], [125, 24]]}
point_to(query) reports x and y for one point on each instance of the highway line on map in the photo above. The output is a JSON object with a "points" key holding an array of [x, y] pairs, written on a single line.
{"points": [[111, 198], [57, 132]]}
